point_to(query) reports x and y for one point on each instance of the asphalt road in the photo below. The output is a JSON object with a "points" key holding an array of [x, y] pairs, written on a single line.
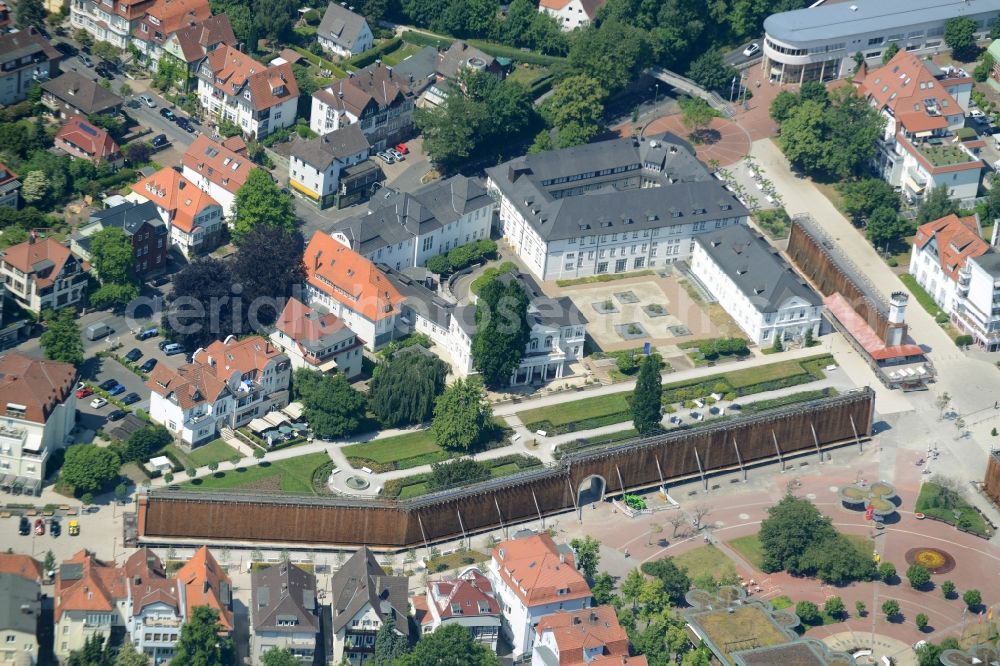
{"points": [[735, 58]]}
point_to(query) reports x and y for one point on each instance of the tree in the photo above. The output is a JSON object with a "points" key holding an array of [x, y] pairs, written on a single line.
{"points": [[260, 203], [941, 401], [29, 13], [711, 72], [200, 306], [860, 607], [542, 143], [676, 582], [960, 37], [61, 339], [202, 642], [575, 108], [632, 586], [587, 555], [35, 187], [793, 525], [937, 203], [834, 607], [332, 407], [111, 255], [169, 73], [918, 576], [645, 402], [83, 38], [948, 589], [783, 105], [808, 612], [502, 331], [93, 653], [459, 471], [268, 268], [137, 153], [88, 467], [284, 656], [777, 345], [972, 598], [462, 416], [863, 197], [451, 645], [129, 656], [886, 227], [121, 492], [613, 53], [696, 114], [389, 646], [834, 560], [891, 609], [403, 388], [144, 442], [887, 572], [890, 52], [922, 621], [49, 563], [983, 69], [603, 589]]}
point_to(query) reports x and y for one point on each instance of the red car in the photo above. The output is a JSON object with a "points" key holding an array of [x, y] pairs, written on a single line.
{"points": [[401, 147], [84, 392], [39, 527]]}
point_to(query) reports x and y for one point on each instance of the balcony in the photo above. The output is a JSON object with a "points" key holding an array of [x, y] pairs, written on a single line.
{"points": [[170, 623]]}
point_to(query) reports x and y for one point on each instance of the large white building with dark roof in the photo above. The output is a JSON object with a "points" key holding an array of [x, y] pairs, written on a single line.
{"points": [[818, 43], [609, 207]]}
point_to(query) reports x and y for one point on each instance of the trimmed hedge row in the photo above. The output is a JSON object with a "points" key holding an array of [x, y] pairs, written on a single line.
{"points": [[393, 487], [320, 62], [802, 396], [368, 57], [462, 256], [501, 51]]}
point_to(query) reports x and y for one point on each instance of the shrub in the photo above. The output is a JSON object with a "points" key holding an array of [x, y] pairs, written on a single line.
{"points": [[808, 612], [439, 264], [634, 502], [964, 341], [627, 364]]}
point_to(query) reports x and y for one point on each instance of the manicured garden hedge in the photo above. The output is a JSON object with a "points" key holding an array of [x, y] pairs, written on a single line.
{"points": [[368, 57]]}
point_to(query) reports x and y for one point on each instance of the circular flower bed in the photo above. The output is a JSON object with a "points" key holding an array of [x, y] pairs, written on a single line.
{"points": [[935, 560]]}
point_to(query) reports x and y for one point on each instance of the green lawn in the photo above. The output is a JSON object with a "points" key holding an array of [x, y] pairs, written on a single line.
{"points": [[413, 486], [292, 475], [706, 560], [608, 409], [392, 449], [399, 55], [749, 547], [943, 504], [920, 294], [214, 451]]}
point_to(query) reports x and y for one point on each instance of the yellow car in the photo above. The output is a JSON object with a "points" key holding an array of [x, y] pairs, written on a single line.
{"points": [[74, 528]]}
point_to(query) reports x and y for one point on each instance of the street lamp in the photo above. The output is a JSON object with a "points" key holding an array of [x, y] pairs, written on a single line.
{"points": [[656, 97]]}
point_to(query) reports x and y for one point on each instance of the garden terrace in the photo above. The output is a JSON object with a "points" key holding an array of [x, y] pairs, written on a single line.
{"points": [[945, 155]]}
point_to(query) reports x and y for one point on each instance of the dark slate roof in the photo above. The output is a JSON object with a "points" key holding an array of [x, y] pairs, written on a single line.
{"points": [[17, 45], [17, 595], [989, 261], [340, 25], [322, 151], [756, 268], [543, 310], [458, 56], [419, 69], [283, 591], [82, 93], [360, 582], [130, 217], [419, 298], [396, 217]]}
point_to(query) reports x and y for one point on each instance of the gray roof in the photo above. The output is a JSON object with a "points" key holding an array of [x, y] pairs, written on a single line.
{"points": [[460, 56], [19, 603], [82, 93], [340, 25], [283, 591], [361, 582], [323, 150], [419, 298], [838, 20], [396, 217], [129, 217], [17, 45], [756, 268], [989, 261], [542, 310], [420, 69]]}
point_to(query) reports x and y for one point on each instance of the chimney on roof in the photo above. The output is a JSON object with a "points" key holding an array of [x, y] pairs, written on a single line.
{"points": [[33, 236], [388, 70], [562, 558], [316, 259], [593, 618], [204, 587]]}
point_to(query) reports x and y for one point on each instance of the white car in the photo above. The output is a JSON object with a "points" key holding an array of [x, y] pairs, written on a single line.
{"points": [[97, 403], [751, 50], [396, 155], [148, 101]]}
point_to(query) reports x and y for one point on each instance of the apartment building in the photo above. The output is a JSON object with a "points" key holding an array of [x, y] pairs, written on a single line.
{"points": [[344, 33], [39, 414], [204, 583], [218, 169], [318, 168], [466, 600], [91, 598], [314, 339], [144, 228], [194, 218], [111, 21], [20, 620], [609, 207], [586, 636], [161, 21], [26, 58], [284, 612], [43, 275], [227, 384], [154, 606]]}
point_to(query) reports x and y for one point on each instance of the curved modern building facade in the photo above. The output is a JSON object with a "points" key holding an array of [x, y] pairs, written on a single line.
{"points": [[819, 43]]}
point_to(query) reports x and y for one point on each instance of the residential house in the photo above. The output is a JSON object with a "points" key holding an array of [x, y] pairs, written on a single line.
{"points": [[609, 207], [20, 620], [352, 288], [26, 58], [533, 577], [190, 44], [142, 225], [204, 583], [24, 566], [382, 103], [74, 94], [403, 229], [39, 414], [344, 33], [977, 308], [84, 141], [589, 636], [218, 169], [258, 98], [571, 14], [363, 598], [108, 20], [284, 612], [923, 107], [43, 274], [226, 385], [10, 187], [317, 167], [194, 218], [941, 249], [161, 21], [154, 607], [317, 340], [756, 286], [429, 73], [91, 598], [467, 601]]}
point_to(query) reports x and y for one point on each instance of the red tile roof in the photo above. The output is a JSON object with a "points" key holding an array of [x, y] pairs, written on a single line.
{"points": [[218, 164], [865, 334], [904, 85], [191, 384], [20, 565], [587, 629], [37, 385], [957, 239], [43, 259], [303, 324], [349, 278], [93, 586], [170, 16], [172, 192], [237, 356], [196, 41], [148, 582], [81, 139], [469, 595], [206, 584], [273, 86], [536, 571]]}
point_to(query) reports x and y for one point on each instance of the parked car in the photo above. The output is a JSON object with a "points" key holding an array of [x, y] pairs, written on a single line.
{"points": [[66, 49], [134, 354], [147, 334], [74, 528], [85, 59], [24, 526], [133, 104], [84, 392], [148, 101], [160, 140], [185, 124], [39, 527], [116, 415], [131, 398], [750, 50], [104, 72], [401, 147], [163, 344], [55, 529], [98, 402], [97, 330], [148, 366], [386, 157], [172, 349], [396, 155], [108, 384], [168, 114], [116, 389]]}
